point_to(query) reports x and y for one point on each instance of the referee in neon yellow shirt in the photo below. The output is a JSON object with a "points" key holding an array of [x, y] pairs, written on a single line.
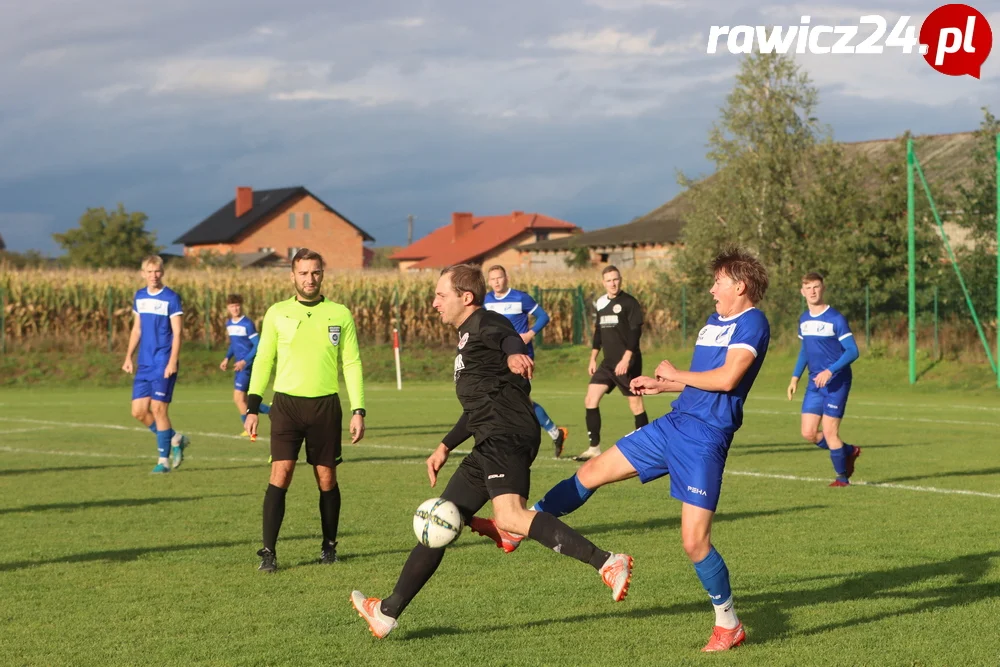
{"points": [[308, 335]]}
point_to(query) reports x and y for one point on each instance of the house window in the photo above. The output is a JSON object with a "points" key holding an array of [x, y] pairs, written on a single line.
{"points": [[305, 221], [291, 221], [265, 249], [291, 252], [541, 236], [604, 257]]}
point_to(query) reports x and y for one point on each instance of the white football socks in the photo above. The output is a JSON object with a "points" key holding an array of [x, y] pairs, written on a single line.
{"points": [[725, 616]]}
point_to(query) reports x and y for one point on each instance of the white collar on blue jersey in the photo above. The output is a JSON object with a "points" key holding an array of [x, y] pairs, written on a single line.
{"points": [[504, 295], [819, 313], [733, 317], [152, 293]]}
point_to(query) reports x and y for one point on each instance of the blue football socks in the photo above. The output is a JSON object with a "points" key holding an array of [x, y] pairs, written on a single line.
{"points": [[265, 408], [543, 418], [839, 459], [163, 442], [822, 443], [564, 498], [714, 576]]}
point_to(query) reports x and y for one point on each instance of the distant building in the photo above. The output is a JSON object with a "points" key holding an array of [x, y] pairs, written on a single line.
{"points": [[482, 240], [267, 227]]}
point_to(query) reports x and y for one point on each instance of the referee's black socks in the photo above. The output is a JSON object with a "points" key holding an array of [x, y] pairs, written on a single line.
{"points": [[329, 513], [554, 534], [274, 513]]}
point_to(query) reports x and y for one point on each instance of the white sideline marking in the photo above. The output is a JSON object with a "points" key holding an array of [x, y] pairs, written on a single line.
{"points": [[27, 430], [884, 418], [884, 485], [923, 406], [560, 462]]}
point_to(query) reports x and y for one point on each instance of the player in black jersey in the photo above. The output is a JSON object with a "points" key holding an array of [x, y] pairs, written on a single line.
{"points": [[492, 370], [617, 330]]}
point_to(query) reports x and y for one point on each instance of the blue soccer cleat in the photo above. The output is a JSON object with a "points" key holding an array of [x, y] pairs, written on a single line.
{"points": [[177, 446], [160, 468]]}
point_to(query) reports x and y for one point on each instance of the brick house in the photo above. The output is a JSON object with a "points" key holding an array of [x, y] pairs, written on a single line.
{"points": [[269, 226], [482, 240]]}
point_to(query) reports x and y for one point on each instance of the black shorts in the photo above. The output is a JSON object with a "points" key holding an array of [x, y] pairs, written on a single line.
{"points": [[318, 421], [607, 377], [496, 466]]}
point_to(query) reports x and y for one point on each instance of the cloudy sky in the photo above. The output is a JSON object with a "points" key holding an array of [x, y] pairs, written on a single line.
{"points": [[581, 109]]}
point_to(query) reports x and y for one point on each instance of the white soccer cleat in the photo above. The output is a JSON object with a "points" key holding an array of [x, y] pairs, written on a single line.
{"points": [[370, 609], [591, 452], [178, 444], [617, 574]]}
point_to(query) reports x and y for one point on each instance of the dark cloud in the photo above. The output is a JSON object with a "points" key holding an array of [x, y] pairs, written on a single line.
{"points": [[582, 111]]}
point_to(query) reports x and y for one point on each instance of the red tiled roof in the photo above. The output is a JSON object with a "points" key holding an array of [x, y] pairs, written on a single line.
{"points": [[443, 247]]}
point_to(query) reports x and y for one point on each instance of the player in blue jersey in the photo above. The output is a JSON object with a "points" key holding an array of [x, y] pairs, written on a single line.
{"points": [[516, 306], [156, 332], [243, 340], [691, 442], [828, 349]]}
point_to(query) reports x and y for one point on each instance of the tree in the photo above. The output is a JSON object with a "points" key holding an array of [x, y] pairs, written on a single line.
{"points": [[578, 258], [109, 239], [977, 202], [758, 145]]}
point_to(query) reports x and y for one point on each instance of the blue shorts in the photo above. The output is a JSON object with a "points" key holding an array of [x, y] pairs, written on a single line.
{"points": [[152, 384], [690, 451], [241, 381], [830, 400]]}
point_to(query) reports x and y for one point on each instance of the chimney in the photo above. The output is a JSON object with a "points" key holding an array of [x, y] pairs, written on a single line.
{"points": [[516, 213], [244, 200], [461, 224]]}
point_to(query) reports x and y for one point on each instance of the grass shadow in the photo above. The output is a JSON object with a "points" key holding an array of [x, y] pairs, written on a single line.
{"points": [[675, 522], [127, 555], [940, 475], [114, 502], [28, 471], [768, 615], [931, 366]]}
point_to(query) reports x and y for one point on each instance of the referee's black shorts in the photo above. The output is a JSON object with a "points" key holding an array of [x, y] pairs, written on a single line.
{"points": [[606, 376], [317, 420], [497, 466]]}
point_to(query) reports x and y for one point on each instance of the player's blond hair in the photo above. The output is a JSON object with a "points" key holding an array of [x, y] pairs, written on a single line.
{"points": [[152, 260]]}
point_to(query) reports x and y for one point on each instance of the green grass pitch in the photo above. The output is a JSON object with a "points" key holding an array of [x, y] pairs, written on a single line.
{"points": [[105, 564]]}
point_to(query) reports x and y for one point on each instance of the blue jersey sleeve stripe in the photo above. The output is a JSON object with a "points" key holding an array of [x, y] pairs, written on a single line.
{"points": [[533, 309], [253, 335], [846, 335], [179, 312]]}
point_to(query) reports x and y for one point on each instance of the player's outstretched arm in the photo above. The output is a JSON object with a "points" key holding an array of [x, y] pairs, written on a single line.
{"points": [[723, 378], [647, 386]]}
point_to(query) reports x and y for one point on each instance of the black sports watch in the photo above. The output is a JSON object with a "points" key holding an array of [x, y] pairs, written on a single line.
{"points": [[359, 411]]}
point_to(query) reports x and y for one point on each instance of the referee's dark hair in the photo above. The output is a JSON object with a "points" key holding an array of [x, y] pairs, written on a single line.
{"points": [[609, 268], [306, 253], [234, 298], [466, 278]]}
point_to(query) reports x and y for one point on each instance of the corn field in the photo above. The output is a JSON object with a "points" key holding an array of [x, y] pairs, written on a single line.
{"points": [[77, 308]]}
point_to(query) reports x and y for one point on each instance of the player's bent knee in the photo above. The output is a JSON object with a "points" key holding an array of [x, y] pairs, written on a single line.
{"points": [[696, 546]]}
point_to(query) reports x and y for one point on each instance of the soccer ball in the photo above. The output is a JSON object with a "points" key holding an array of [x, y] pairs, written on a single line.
{"points": [[437, 523]]}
